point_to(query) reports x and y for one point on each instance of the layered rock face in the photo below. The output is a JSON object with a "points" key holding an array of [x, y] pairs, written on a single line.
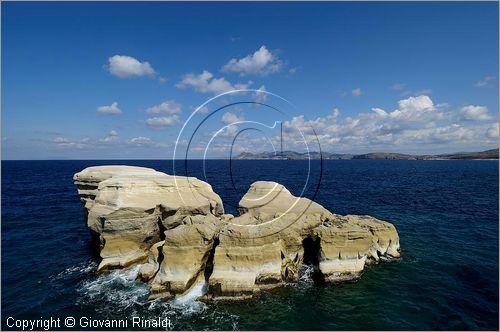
{"points": [[176, 228], [130, 208]]}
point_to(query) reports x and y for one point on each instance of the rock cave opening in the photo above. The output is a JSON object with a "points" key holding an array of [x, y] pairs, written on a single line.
{"points": [[310, 262]]}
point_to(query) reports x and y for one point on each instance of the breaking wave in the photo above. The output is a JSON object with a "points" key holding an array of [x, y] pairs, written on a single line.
{"points": [[79, 269], [119, 293], [118, 288], [306, 274]]}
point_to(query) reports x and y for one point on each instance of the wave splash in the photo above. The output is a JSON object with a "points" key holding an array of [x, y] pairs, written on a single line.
{"points": [[80, 270], [118, 293], [118, 288], [306, 274]]}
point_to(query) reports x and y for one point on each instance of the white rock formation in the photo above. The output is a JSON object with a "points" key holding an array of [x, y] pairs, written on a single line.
{"points": [[176, 227], [132, 206]]}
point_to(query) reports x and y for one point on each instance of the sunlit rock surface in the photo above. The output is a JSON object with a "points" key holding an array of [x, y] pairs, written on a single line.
{"points": [[131, 207], [176, 228]]}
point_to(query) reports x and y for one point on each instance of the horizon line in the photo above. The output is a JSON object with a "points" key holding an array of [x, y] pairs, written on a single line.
{"points": [[226, 158]]}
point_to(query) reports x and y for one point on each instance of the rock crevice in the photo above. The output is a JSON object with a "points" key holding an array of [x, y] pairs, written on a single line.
{"points": [[176, 228]]}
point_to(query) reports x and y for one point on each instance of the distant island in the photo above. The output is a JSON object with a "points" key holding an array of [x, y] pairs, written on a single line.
{"points": [[292, 155]]}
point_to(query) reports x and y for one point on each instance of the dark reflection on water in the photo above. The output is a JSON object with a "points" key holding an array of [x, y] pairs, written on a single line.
{"points": [[446, 213]]}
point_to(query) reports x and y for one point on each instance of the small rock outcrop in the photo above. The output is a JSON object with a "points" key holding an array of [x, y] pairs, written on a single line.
{"points": [[176, 228]]}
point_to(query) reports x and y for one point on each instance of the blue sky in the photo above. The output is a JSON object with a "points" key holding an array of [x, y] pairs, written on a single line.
{"points": [[119, 80]]}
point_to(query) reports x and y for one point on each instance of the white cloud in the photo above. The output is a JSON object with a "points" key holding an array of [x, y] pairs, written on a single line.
{"points": [[416, 103], [229, 118], [124, 66], [64, 143], [380, 112], [492, 131], [111, 109], [167, 107], [108, 139], [486, 81], [261, 62], [60, 140], [260, 96], [357, 92], [111, 137], [474, 113], [163, 121], [228, 131], [335, 114], [415, 124], [203, 110], [140, 141], [206, 83]]}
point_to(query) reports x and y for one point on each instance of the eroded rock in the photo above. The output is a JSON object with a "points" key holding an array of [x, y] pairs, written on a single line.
{"points": [[185, 254], [177, 228], [132, 208]]}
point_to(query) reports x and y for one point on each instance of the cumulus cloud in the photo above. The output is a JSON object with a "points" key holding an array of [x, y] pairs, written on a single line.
{"points": [[229, 118], [416, 125], [163, 121], [486, 81], [227, 132], [334, 115], [167, 107], [357, 92], [124, 66], [475, 113], [380, 112], [492, 131], [111, 137], [417, 122], [416, 109], [261, 62], [111, 109], [65, 143], [260, 96], [60, 140], [206, 83], [203, 110], [140, 141]]}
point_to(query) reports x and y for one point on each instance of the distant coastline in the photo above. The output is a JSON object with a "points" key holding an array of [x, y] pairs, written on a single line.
{"points": [[292, 155], [313, 155]]}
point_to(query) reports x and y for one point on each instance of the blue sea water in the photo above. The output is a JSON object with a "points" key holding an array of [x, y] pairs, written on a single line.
{"points": [[446, 213]]}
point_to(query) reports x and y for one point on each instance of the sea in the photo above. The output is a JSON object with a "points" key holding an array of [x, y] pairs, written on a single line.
{"points": [[446, 213]]}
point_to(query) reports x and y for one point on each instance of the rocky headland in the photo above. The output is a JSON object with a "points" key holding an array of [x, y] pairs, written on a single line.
{"points": [[292, 155], [176, 229]]}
